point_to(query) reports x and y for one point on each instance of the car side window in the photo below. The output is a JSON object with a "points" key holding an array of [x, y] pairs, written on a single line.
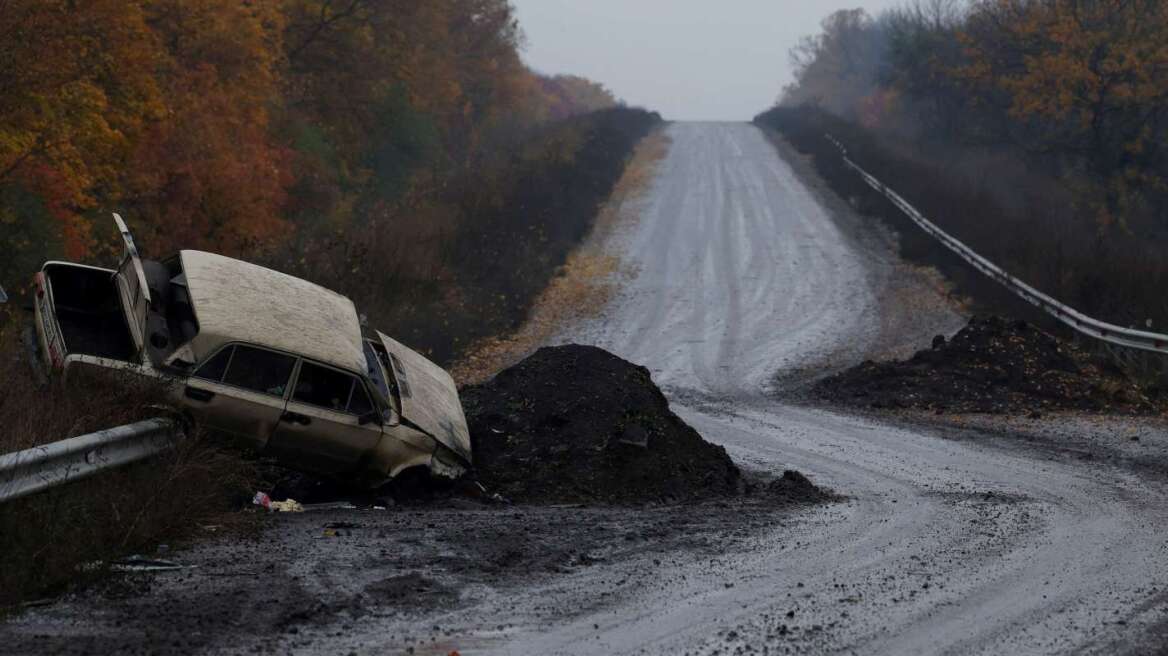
{"points": [[214, 368], [260, 370], [325, 388]]}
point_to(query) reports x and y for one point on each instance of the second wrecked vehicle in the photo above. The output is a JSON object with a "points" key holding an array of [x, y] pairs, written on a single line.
{"points": [[278, 362]]}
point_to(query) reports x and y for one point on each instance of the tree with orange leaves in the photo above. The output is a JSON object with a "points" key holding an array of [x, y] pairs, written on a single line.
{"points": [[77, 87], [1086, 80], [209, 175]]}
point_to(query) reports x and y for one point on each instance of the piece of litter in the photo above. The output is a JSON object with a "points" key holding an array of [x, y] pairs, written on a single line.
{"points": [[338, 505], [139, 563], [262, 500], [288, 505], [330, 533]]}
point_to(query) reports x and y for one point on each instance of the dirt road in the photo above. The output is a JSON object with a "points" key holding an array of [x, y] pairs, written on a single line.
{"points": [[746, 282], [965, 545]]}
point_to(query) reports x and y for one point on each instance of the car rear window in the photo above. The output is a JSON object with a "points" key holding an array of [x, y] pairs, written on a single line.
{"points": [[260, 370], [331, 389], [360, 404], [214, 368], [250, 368]]}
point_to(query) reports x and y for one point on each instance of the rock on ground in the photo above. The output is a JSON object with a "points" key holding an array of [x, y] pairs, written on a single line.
{"points": [[578, 424]]}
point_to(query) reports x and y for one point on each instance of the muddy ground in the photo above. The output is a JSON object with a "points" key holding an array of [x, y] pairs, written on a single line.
{"points": [[325, 571]]}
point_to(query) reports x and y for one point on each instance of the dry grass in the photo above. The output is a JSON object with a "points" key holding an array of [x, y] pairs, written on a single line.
{"points": [[582, 286], [45, 539]]}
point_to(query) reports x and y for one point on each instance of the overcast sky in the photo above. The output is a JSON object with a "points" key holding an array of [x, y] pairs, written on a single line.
{"points": [[688, 59]]}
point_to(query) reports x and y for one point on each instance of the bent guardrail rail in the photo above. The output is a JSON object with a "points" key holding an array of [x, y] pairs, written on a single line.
{"points": [[39, 468], [1090, 326]]}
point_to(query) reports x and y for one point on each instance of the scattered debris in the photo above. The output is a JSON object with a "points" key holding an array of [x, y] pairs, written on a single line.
{"points": [[262, 500], [993, 365], [139, 563], [338, 505], [288, 505], [576, 423]]}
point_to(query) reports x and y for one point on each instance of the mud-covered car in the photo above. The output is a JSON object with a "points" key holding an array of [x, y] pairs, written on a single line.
{"points": [[278, 362]]}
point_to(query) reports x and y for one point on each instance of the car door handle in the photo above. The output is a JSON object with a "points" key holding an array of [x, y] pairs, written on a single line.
{"points": [[295, 418], [199, 394]]}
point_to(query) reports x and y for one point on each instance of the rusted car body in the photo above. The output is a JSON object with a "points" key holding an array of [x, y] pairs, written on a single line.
{"points": [[277, 362]]}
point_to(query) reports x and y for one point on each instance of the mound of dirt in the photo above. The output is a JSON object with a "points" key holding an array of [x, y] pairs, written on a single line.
{"points": [[993, 365], [794, 488], [578, 424]]}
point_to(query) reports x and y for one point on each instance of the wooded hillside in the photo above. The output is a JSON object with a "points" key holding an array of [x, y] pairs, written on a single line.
{"points": [[349, 140]]}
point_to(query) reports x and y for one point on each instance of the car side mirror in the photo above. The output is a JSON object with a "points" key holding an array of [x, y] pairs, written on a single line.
{"points": [[371, 417]]}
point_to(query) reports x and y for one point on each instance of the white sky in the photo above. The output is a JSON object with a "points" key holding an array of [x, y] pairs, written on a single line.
{"points": [[688, 59]]}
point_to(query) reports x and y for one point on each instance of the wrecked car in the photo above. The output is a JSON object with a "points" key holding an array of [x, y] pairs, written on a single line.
{"points": [[279, 363]]}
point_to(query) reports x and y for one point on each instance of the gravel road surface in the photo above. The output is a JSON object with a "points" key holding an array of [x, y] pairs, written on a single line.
{"points": [[954, 542], [748, 280]]}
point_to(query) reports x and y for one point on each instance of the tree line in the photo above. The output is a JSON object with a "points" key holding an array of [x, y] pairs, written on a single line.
{"points": [[385, 148], [235, 125], [1077, 88]]}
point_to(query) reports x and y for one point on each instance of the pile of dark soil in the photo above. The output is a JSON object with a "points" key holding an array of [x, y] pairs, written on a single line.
{"points": [[795, 488], [993, 365], [578, 424]]}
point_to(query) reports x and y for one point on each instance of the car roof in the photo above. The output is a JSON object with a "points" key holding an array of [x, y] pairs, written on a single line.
{"points": [[236, 301]]}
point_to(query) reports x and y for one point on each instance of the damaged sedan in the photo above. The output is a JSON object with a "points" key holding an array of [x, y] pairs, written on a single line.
{"points": [[279, 363]]}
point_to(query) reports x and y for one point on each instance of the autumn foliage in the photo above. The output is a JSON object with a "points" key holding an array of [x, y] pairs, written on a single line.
{"points": [[248, 127], [1076, 88], [338, 139], [1035, 130]]}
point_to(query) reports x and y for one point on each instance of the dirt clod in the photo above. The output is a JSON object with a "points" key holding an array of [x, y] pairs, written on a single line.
{"points": [[793, 487], [578, 424], [993, 365]]}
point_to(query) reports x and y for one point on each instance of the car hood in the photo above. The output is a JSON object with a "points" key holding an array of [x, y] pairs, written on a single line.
{"points": [[429, 398]]}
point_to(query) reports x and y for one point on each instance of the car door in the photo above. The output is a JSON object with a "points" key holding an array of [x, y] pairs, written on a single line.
{"points": [[330, 422], [241, 390]]}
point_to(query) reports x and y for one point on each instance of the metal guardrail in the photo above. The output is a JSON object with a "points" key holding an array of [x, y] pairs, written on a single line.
{"points": [[32, 470], [1084, 324]]}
